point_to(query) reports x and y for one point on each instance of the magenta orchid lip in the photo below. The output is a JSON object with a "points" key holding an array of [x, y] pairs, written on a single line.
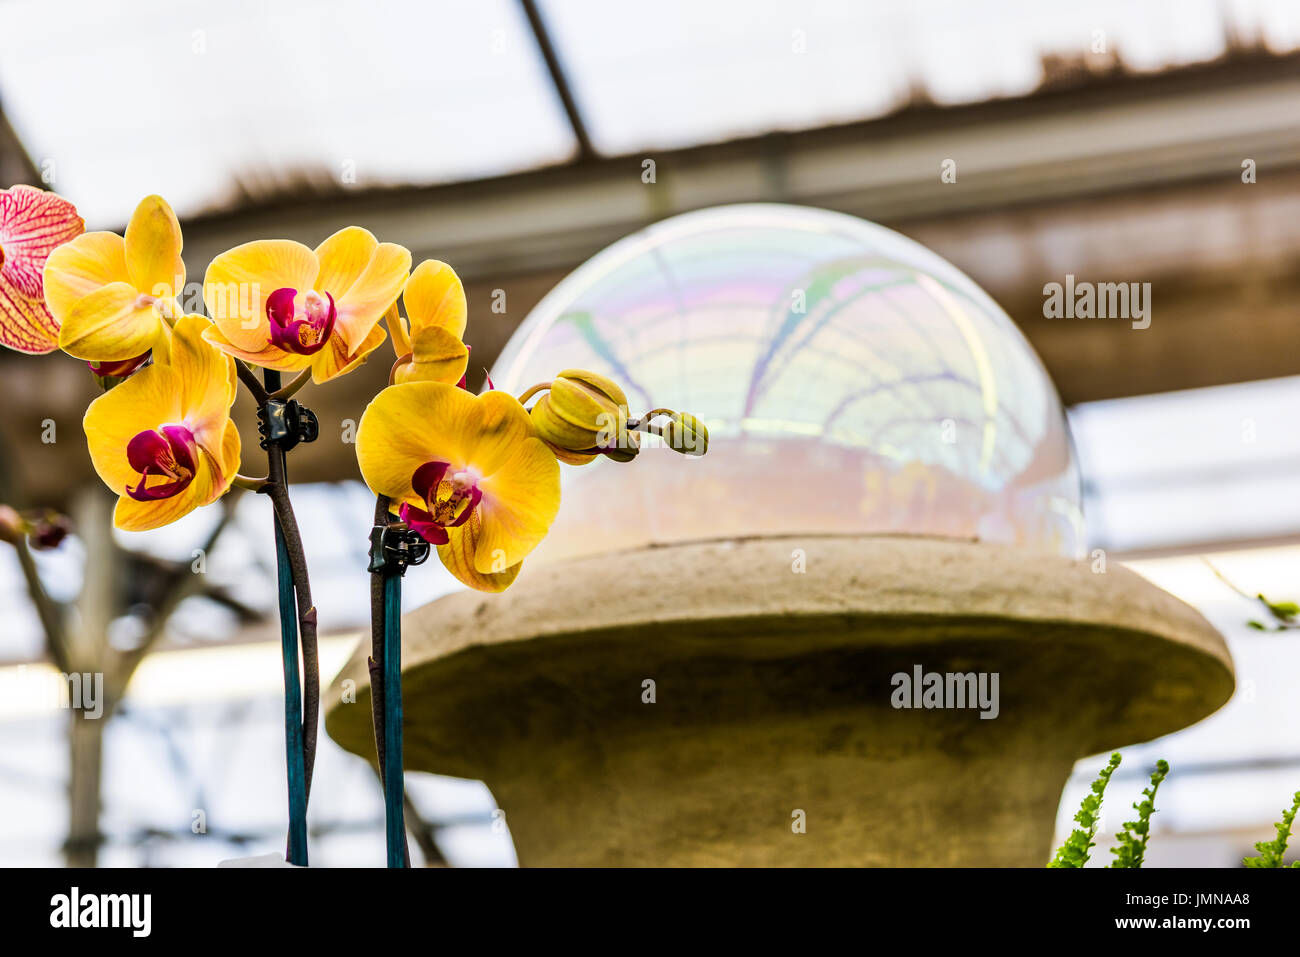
{"points": [[449, 502], [303, 328], [168, 453]]}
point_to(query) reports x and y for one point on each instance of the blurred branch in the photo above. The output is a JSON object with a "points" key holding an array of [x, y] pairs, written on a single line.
{"points": [[422, 832], [183, 587], [48, 610], [1284, 613], [417, 826], [245, 612]]}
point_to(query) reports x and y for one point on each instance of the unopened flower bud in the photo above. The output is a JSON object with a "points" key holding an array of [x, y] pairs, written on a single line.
{"points": [[686, 434], [49, 531], [12, 526], [120, 369], [110, 374], [584, 413]]}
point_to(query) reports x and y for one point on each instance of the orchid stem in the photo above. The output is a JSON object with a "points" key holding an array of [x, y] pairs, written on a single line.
{"points": [[254, 387], [533, 390], [250, 483], [385, 666], [278, 492], [297, 622], [394, 785], [296, 383], [295, 759]]}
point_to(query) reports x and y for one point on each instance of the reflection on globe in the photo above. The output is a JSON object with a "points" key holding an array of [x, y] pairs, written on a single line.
{"points": [[852, 381]]}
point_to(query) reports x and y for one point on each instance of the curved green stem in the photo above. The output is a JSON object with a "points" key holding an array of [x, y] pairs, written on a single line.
{"points": [[533, 390], [297, 624], [296, 383], [254, 387]]}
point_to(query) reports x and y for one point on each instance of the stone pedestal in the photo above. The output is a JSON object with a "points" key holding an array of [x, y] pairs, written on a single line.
{"points": [[773, 699]]}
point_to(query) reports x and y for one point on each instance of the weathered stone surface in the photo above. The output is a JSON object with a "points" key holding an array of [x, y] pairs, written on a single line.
{"points": [[772, 696]]}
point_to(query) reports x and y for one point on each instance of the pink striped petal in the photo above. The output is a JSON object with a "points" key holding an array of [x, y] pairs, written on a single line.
{"points": [[32, 224]]}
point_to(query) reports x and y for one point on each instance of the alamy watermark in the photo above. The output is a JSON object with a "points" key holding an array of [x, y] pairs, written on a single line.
{"points": [[934, 689], [54, 690], [131, 912], [1102, 300]]}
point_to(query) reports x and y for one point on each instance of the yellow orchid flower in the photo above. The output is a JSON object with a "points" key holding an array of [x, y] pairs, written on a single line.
{"points": [[280, 305], [114, 296], [32, 224], [432, 351], [467, 472], [163, 439]]}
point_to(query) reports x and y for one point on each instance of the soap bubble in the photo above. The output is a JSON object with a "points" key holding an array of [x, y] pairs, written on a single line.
{"points": [[853, 383]]}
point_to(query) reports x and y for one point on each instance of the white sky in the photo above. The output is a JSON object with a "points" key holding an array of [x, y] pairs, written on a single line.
{"points": [[126, 98], [131, 98]]}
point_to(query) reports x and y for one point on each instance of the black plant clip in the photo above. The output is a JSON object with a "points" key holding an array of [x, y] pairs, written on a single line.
{"points": [[285, 423], [393, 549]]}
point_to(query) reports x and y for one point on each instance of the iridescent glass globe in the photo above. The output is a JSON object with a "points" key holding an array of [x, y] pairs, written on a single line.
{"points": [[853, 382]]}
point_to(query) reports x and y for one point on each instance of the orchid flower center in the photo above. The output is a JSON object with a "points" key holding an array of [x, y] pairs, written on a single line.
{"points": [[164, 306], [450, 497], [166, 457], [300, 324], [2, 255]]}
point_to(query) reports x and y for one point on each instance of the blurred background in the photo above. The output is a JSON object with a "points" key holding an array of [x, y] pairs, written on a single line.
{"points": [[1119, 140]]}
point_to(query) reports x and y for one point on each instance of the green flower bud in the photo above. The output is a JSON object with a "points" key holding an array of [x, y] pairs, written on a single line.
{"points": [[686, 434]]}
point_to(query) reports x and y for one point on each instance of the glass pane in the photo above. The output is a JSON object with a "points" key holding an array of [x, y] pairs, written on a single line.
{"points": [[684, 72], [199, 102]]}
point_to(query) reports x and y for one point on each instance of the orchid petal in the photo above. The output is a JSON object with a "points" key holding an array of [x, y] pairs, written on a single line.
{"points": [[153, 250], [112, 323], [438, 356], [423, 523], [343, 258], [25, 323], [435, 297], [409, 424], [458, 556], [205, 379], [398, 330], [268, 356], [404, 427], [520, 501], [230, 452], [368, 298], [134, 516], [33, 223], [150, 398], [427, 477], [78, 268], [334, 360]]}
